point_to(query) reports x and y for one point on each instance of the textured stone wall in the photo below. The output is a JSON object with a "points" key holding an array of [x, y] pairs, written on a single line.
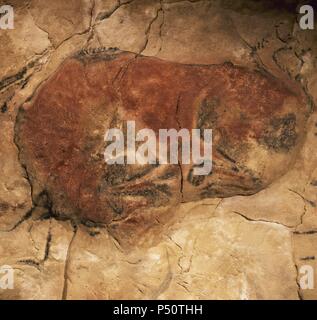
{"points": [[247, 245]]}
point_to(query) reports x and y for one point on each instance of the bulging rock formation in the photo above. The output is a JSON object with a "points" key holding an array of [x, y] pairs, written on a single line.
{"points": [[72, 227], [257, 127]]}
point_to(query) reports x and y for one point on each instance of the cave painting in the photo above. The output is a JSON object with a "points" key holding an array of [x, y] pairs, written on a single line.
{"points": [[257, 125]]}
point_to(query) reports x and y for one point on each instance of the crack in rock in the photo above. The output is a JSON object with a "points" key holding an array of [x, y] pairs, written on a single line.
{"points": [[66, 266]]}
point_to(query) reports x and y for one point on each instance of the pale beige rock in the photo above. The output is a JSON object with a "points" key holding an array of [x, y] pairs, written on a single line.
{"points": [[198, 33], [61, 19], [235, 248], [21, 44], [205, 255], [128, 26], [37, 252], [15, 191]]}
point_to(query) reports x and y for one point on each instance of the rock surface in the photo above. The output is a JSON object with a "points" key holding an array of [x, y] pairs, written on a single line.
{"points": [[257, 124], [241, 247]]}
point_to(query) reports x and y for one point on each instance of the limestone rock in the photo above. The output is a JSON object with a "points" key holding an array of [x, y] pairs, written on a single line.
{"points": [[256, 121], [240, 247]]}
